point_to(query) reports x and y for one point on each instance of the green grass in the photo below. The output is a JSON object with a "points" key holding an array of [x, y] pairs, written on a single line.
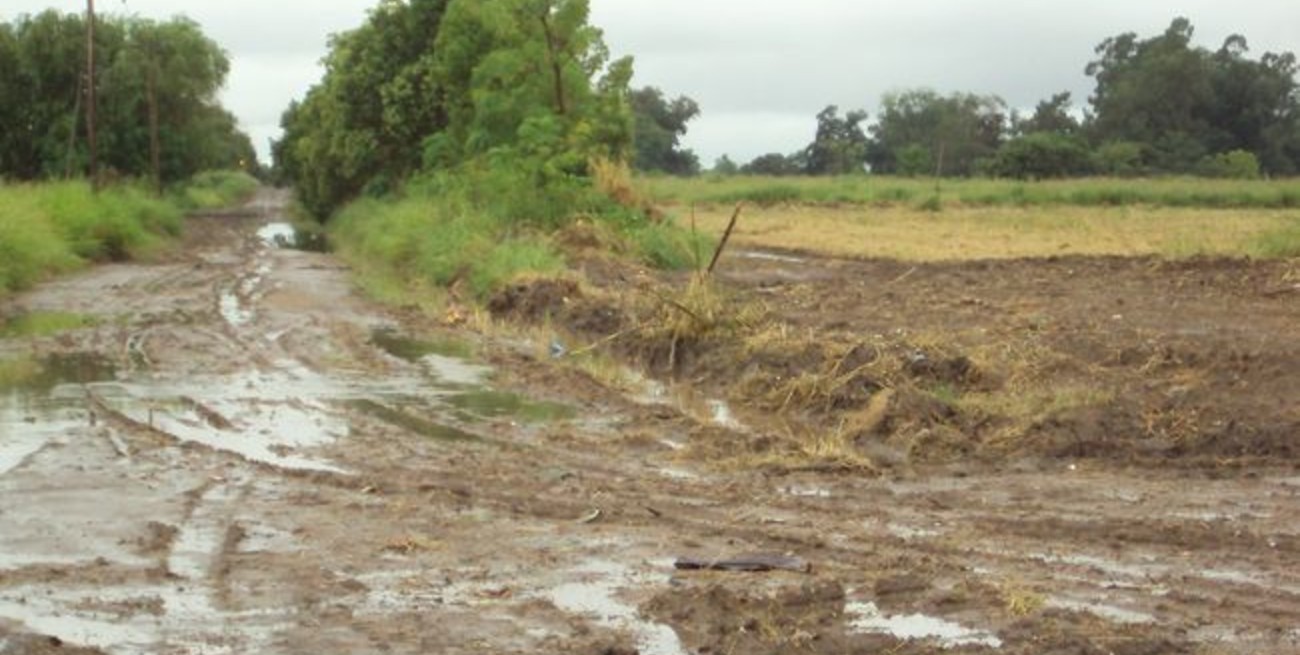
{"points": [[420, 241], [53, 228], [215, 189], [42, 324], [49, 229], [893, 191]]}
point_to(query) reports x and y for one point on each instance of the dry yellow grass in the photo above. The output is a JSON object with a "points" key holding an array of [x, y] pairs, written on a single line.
{"points": [[962, 233]]}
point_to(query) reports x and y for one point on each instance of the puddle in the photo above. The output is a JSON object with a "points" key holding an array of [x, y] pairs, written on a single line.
{"points": [[124, 622], [595, 596], [490, 404], [721, 413], [233, 311], [769, 256], [866, 617], [413, 350], [1111, 567], [43, 404], [909, 532], [285, 236], [1108, 612], [807, 492], [412, 423]]}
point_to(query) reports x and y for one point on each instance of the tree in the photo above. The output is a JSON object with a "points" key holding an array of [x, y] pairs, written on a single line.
{"points": [[840, 146], [1184, 103], [524, 88], [953, 132], [725, 166], [157, 86], [660, 124], [773, 163], [364, 124], [1043, 155], [1051, 116]]}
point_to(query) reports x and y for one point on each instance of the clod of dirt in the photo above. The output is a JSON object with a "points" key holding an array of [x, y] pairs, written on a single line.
{"points": [[736, 617], [534, 300]]}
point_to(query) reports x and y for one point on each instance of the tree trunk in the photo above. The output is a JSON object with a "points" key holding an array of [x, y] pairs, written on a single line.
{"points": [[90, 94], [155, 148], [557, 70]]}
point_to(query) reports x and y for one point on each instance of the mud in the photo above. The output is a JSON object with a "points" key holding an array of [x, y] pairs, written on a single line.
{"points": [[241, 454]]}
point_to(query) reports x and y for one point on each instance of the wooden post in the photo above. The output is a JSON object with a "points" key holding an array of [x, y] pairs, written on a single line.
{"points": [[90, 94]]}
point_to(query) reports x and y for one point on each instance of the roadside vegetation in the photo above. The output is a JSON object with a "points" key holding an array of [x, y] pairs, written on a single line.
{"points": [[57, 227], [166, 146]]}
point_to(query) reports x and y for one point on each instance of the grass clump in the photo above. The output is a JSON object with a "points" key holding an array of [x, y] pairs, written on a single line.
{"points": [[215, 189], [42, 324]]}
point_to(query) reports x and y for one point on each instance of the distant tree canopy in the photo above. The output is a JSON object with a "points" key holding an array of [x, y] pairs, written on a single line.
{"points": [[162, 75], [1161, 106], [1184, 104], [429, 85], [660, 125]]}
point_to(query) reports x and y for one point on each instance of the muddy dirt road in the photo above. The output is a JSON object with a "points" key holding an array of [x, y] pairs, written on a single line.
{"points": [[243, 455]]}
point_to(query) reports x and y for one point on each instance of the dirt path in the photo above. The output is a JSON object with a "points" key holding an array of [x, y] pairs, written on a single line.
{"points": [[244, 456]]}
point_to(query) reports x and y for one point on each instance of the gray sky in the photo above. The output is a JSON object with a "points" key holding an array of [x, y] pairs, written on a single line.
{"points": [[760, 69]]}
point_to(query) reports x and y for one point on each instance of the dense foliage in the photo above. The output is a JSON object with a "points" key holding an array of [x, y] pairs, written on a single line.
{"points": [[519, 89], [1161, 106], [660, 125], [156, 83]]}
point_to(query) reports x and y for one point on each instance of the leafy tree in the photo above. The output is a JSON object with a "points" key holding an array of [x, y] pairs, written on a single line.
{"points": [[157, 84], [660, 124], [531, 78], [773, 163], [955, 132], [1051, 116], [725, 166], [524, 88], [840, 146], [1184, 103], [1119, 159], [364, 123]]}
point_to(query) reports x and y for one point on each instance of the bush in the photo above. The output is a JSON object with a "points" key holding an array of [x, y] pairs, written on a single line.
{"points": [[1119, 159], [1236, 165], [214, 189], [54, 228], [1042, 155]]}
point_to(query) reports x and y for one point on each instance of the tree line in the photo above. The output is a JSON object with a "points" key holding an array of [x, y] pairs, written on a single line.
{"points": [[1161, 105], [156, 84]]}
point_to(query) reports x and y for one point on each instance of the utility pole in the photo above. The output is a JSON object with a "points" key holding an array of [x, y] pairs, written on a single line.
{"points": [[90, 94]]}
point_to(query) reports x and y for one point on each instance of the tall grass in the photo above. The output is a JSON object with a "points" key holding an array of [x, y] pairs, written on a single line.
{"points": [[894, 191], [54, 228], [477, 230], [214, 189]]}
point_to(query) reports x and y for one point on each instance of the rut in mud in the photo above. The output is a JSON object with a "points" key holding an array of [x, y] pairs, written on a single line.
{"points": [[240, 454]]}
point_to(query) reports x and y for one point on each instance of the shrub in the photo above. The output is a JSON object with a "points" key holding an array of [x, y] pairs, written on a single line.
{"points": [[1042, 155], [1236, 165]]}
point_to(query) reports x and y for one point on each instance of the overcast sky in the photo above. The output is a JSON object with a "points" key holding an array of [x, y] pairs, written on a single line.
{"points": [[760, 69]]}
